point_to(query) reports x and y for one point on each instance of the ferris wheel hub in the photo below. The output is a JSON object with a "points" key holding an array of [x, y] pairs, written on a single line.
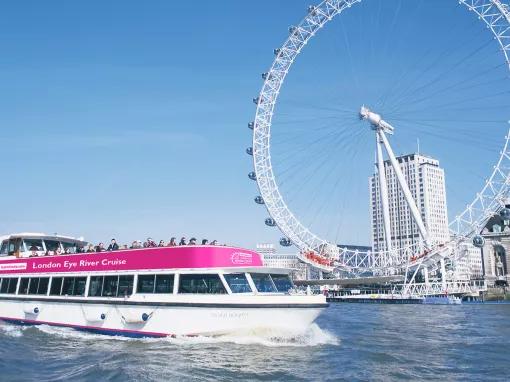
{"points": [[375, 120]]}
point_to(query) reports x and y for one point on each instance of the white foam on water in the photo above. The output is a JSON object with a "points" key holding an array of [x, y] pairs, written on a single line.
{"points": [[314, 336], [12, 330], [70, 333]]}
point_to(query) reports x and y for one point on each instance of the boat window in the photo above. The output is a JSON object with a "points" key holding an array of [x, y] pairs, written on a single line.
{"points": [[155, 284], [33, 245], [43, 285], [51, 245], [282, 282], [68, 285], [237, 282], [96, 286], [263, 282], [56, 286], [79, 286], [110, 286], [9, 285], [14, 246], [23, 287], [210, 284], [3, 249], [164, 284], [125, 286], [13, 284], [69, 247], [74, 286], [145, 284], [34, 283]]}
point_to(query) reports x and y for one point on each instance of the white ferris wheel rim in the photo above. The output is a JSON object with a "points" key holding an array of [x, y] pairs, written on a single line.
{"points": [[496, 16]]}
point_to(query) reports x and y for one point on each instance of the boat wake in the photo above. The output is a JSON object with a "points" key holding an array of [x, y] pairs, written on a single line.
{"points": [[313, 336]]}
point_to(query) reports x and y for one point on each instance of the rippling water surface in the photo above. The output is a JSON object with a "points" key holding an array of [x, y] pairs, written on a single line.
{"points": [[350, 342]]}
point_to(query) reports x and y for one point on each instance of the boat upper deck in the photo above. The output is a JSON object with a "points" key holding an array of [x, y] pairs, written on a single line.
{"points": [[185, 257], [27, 260]]}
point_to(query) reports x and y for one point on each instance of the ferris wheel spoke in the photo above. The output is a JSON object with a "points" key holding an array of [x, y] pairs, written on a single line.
{"points": [[413, 92], [404, 81]]}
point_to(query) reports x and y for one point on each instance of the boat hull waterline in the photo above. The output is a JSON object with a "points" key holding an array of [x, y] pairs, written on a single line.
{"points": [[161, 321]]}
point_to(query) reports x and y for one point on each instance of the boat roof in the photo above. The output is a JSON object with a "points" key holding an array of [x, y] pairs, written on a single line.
{"points": [[38, 235]]}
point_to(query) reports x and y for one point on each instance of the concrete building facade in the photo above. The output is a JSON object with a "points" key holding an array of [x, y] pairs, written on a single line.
{"points": [[426, 182]]}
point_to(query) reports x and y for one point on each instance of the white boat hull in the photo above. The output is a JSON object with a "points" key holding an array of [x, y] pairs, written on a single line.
{"points": [[157, 320]]}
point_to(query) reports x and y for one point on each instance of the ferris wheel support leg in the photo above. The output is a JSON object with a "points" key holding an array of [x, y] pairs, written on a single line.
{"points": [[405, 188], [383, 187]]}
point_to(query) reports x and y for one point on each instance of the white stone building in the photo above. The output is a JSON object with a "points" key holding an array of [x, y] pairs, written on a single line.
{"points": [[426, 182], [282, 260]]}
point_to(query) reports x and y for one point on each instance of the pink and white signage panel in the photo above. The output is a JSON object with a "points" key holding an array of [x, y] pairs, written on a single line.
{"points": [[137, 259]]}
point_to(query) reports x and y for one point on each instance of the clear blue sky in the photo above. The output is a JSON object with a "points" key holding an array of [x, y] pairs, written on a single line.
{"points": [[128, 119]]}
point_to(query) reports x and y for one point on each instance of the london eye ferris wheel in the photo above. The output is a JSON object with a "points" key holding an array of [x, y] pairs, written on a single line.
{"points": [[334, 120]]}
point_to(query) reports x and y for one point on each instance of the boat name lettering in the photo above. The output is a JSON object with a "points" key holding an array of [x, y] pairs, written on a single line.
{"points": [[49, 265], [113, 262]]}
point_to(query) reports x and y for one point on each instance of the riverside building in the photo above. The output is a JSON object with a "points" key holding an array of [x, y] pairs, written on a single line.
{"points": [[426, 182], [271, 259]]}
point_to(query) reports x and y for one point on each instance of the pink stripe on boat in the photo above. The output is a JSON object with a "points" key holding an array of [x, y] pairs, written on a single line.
{"points": [[137, 259]]}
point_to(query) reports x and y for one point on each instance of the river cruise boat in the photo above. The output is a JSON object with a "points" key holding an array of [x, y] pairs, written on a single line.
{"points": [[164, 291]]}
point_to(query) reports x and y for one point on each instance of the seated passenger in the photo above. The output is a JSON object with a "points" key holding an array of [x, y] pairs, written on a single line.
{"points": [[214, 242], [90, 248], [205, 241], [172, 242], [183, 241], [113, 246], [58, 251], [192, 241], [100, 247], [161, 243], [33, 248], [149, 243]]}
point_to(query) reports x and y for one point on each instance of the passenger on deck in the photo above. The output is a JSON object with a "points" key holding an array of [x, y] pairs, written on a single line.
{"points": [[183, 241], [161, 243], [58, 251], [90, 248], [100, 247], [214, 242], [113, 246], [192, 241], [205, 241], [149, 243], [172, 242]]}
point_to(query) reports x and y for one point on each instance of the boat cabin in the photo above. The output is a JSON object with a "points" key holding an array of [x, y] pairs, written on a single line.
{"points": [[39, 244]]}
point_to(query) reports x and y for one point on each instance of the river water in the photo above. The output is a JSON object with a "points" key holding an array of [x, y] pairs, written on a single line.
{"points": [[351, 342]]}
